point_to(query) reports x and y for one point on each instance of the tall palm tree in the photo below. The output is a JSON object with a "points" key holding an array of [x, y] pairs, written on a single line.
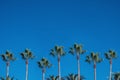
{"points": [[78, 50], [58, 51], [26, 55], [109, 56], [95, 59], [74, 77], [7, 57], [43, 64]]}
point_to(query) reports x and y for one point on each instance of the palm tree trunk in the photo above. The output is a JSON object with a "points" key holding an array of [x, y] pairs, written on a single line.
{"points": [[94, 70], [7, 69], [78, 63], [26, 78], [43, 74], [59, 73], [110, 70]]}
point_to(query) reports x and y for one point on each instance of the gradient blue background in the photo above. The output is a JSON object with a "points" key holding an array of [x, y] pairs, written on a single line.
{"points": [[41, 24]]}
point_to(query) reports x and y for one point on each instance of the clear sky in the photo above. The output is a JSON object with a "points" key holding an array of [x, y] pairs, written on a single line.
{"points": [[41, 24]]}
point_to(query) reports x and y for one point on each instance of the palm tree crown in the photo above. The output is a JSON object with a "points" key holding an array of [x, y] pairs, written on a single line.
{"points": [[8, 56], [77, 48], [74, 77], [93, 58], [52, 77], [44, 63], [27, 54], [57, 50], [110, 55]]}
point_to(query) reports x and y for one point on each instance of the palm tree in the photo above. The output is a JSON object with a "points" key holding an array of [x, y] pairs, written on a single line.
{"points": [[74, 77], [58, 51], [77, 49], [43, 64], [7, 57], [26, 55], [52, 77], [109, 56], [95, 59]]}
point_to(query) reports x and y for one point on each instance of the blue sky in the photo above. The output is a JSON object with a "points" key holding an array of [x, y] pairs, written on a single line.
{"points": [[41, 24]]}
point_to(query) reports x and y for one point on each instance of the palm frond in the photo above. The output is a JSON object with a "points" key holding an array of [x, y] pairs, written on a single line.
{"points": [[23, 55], [75, 45], [56, 77], [74, 77], [52, 77], [107, 56], [3, 57], [100, 60], [92, 55], [71, 51], [63, 53], [116, 76], [52, 52], [88, 59], [83, 51], [114, 55], [1, 78], [12, 78], [56, 48], [27, 50], [7, 53]]}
